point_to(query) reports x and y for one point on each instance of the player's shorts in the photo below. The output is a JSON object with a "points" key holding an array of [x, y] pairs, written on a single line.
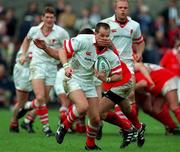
{"points": [[75, 84], [21, 78], [171, 84], [58, 86], [123, 90], [44, 71], [97, 82]]}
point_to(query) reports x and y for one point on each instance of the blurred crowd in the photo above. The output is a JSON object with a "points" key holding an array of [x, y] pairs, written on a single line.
{"points": [[158, 32]]}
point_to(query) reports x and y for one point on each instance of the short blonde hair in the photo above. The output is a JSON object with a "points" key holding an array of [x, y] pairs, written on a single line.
{"points": [[116, 1]]}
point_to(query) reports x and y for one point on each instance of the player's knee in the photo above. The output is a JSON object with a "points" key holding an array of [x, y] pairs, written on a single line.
{"points": [[83, 108], [95, 120], [103, 116], [40, 99]]}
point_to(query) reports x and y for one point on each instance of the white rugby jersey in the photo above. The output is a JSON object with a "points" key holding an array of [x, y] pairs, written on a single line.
{"points": [[54, 40], [124, 36], [83, 52], [28, 56]]}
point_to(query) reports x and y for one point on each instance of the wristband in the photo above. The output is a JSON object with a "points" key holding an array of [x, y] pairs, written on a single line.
{"points": [[66, 65], [108, 79]]}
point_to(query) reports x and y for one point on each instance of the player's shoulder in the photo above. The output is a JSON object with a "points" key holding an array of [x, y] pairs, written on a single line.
{"points": [[85, 37], [133, 22], [35, 28], [59, 28], [108, 20]]}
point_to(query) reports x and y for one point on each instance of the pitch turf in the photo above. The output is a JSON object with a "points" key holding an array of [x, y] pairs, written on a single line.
{"points": [[156, 141]]}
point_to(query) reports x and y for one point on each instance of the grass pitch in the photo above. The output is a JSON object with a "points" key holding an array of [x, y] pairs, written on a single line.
{"points": [[156, 141]]}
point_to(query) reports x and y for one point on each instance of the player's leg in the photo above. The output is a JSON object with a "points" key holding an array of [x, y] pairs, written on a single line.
{"points": [[161, 112], [93, 124], [172, 99], [132, 115], [169, 91], [28, 121], [105, 105], [39, 103], [22, 97], [64, 102], [79, 108]]}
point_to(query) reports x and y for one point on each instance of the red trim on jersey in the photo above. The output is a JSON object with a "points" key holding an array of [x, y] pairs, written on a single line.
{"points": [[45, 34], [122, 25], [99, 52], [137, 39], [115, 69], [71, 53], [116, 52], [138, 42], [70, 46], [126, 76]]}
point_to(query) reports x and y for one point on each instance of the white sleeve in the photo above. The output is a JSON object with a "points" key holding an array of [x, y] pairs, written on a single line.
{"points": [[137, 36]]}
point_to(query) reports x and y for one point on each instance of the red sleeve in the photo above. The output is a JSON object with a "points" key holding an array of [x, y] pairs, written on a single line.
{"points": [[68, 48]]}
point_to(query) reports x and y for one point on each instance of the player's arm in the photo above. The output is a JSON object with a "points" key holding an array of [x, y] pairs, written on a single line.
{"points": [[50, 51], [25, 47], [64, 60], [139, 47], [141, 85], [140, 67], [113, 78], [116, 75], [138, 42]]}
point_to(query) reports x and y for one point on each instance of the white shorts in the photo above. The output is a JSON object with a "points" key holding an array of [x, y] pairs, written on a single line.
{"points": [[123, 90], [58, 86], [43, 71], [171, 84], [21, 78], [75, 84]]}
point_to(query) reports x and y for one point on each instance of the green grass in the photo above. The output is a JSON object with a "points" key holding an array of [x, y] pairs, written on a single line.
{"points": [[156, 141]]}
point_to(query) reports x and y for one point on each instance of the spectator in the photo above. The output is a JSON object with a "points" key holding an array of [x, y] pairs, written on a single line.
{"points": [[28, 20], [83, 21], [7, 90], [145, 20], [60, 7], [11, 22], [151, 53], [67, 19], [170, 12], [7, 50], [95, 15]]}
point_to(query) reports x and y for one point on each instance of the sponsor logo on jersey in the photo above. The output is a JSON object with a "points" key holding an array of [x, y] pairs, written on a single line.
{"points": [[88, 53], [113, 30]]}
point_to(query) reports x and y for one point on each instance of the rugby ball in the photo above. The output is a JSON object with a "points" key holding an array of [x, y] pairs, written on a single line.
{"points": [[102, 64]]}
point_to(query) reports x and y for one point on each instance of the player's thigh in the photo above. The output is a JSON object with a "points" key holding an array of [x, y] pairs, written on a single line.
{"points": [[79, 99], [47, 92], [39, 88], [105, 105]]}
